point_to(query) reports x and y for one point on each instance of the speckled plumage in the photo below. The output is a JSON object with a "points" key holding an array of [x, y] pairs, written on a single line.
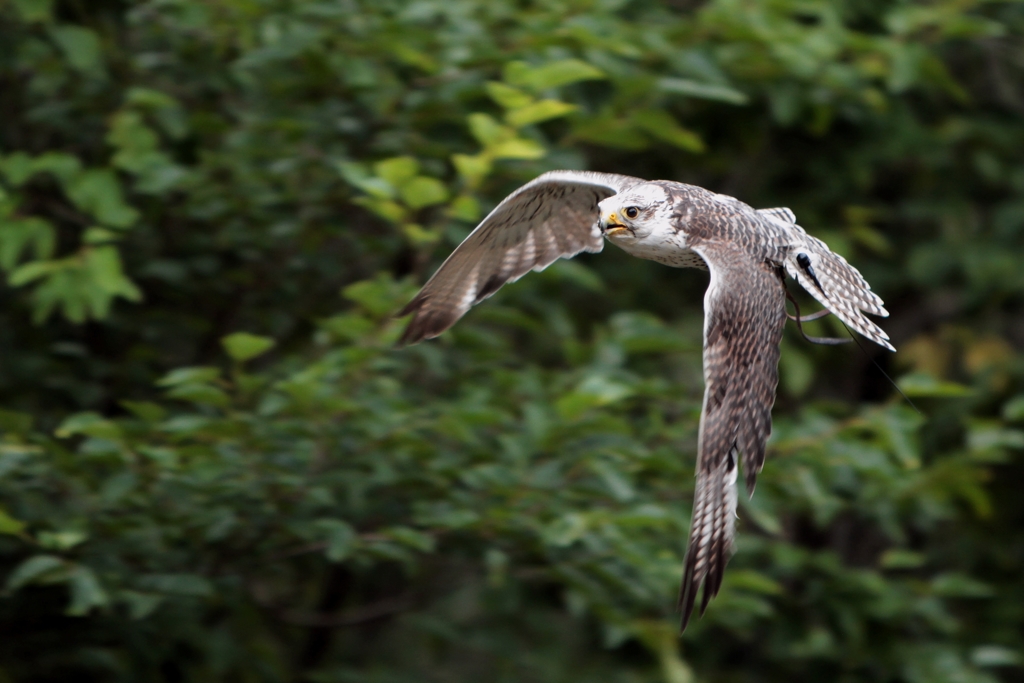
{"points": [[747, 251]]}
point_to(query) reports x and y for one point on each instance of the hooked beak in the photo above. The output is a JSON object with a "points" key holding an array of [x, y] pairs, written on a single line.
{"points": [[611, 227]]}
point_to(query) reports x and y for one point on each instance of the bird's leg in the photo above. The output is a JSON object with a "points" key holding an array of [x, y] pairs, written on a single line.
{"points": [[810, 316], [800, 319]]}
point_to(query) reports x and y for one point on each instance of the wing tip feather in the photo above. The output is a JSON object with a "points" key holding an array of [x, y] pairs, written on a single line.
{"points": [[426, 323], [687, 591]]}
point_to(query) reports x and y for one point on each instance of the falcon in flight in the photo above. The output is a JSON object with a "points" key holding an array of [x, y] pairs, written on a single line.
{"points": [[747, 251]]}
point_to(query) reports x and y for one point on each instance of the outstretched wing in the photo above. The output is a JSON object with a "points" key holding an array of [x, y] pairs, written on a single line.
{"points": [[551, 217], [828, 277], [744, 313], [837, 286]]}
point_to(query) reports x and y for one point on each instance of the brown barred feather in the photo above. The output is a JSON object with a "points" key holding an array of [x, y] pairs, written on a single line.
{"points": [[745, 312], [746, 251], [549, 218]]}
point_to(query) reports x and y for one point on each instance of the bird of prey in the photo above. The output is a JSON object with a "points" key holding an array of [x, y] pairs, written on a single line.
{"points": [[747, 252]]}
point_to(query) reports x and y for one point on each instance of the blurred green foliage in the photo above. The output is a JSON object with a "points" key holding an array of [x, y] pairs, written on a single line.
{"points": [[212, 467]]}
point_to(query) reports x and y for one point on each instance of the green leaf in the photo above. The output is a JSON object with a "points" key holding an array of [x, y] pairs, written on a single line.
{"points": [[473, 169], [166, 458], [10, 525], [15, 422], [97, 235], [356, 175], [995, 655], [465, 208], [35, 568], [35, 10], [341, 538], [138, 154], [507, 96], [18, 234], [537, 112], [752, 581], [763, 514], [703, 91], [419, 236], [150, 98], [140, 605], [186, 425], [173, 121], [615, 480], [662, 126], [423, 191], [80, 46], [898, 558], [90, 424], [566, 530], [28, 272], [611, 132], [445, 515], [551, 75], [919, 384], [128, 131], [517, 148], [958, 585], [62, 166], [17, 168], [243, 346], [412, 538], [386, 209], [62, 287], [413, 57], [898, 424], [103, 264], [662, 639], [575, 272], [594, 391], [487, 131], [381, 296], [796, 370], [1014, 409], [86, 592], [61, 540], [200, 394], [145, 410], [192, 375], [98, 192], [397, 170], [348, 326], [985, 435]]}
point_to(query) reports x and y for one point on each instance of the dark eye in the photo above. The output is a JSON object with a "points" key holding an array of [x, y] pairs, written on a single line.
{"points": [[631, 212]]}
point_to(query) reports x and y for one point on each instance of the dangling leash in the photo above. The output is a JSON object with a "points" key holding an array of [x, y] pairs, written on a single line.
{"points": [[835, 341]]}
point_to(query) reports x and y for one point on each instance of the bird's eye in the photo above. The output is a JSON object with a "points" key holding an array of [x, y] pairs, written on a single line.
{"points": [[631, 212]]}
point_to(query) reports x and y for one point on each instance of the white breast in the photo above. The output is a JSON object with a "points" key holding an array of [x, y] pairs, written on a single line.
{"points": [[667, 249]]}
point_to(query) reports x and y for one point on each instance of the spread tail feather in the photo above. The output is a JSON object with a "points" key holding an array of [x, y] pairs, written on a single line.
{"points": [[711, 536]]}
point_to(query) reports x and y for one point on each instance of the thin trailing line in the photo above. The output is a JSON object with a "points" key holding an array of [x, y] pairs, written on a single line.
{"points": [[831, 341], [884, 373]]}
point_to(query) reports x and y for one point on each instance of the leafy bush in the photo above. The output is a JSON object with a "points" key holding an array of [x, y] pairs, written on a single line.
{"points": [[213, 468]]}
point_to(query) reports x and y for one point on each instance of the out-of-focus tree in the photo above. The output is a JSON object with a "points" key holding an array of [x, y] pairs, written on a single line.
{"points": [[212, 467]]}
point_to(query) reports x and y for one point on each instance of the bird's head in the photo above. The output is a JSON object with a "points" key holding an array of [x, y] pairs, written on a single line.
{"points": [[635, 215]]}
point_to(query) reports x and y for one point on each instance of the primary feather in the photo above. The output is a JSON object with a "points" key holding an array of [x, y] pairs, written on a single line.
{"points": [[549, 218]]}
